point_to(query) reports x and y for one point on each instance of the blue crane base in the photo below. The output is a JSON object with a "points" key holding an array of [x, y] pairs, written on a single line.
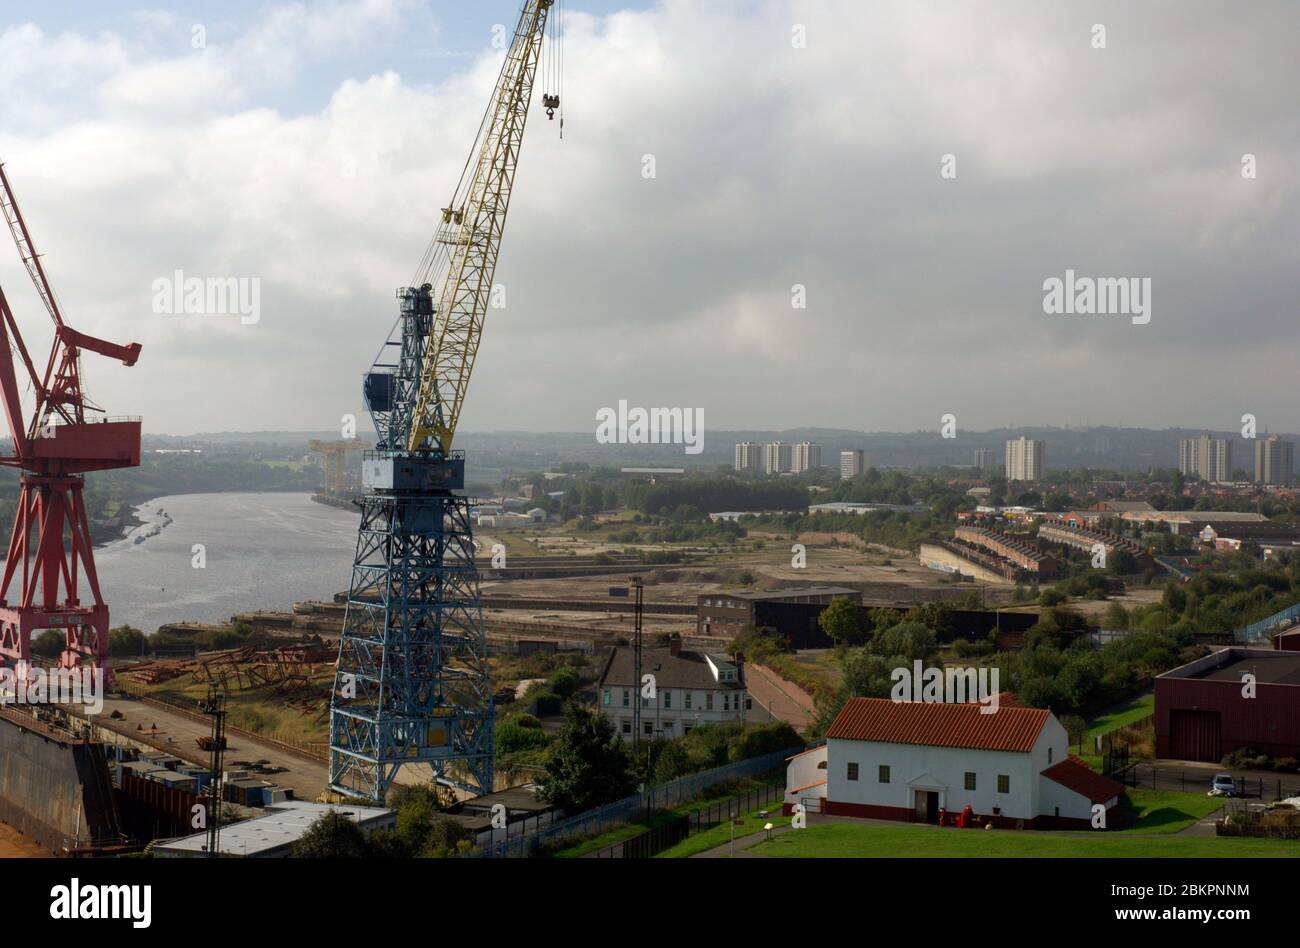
{"points": [[413, 685]]}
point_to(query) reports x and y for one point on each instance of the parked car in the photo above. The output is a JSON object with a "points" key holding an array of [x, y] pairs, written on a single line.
{"points": [[1223, 785]]}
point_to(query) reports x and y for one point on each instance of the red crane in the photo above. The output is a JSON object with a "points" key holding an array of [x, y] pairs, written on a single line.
{"points": [[50, 545]]}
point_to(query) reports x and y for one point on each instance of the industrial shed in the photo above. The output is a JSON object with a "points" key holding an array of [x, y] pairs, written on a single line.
{"points": [[1203, 711]]}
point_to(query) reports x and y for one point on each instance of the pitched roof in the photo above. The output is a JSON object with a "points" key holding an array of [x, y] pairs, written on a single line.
{"points": [[684, 670], [940, 725], [1074, 774]]}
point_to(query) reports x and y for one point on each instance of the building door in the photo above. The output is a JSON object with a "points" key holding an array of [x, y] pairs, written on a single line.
{"points": [[926, 806], [1195, 735]]}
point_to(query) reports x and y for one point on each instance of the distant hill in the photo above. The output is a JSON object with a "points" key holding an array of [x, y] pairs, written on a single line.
{"points": [[494, 452]]}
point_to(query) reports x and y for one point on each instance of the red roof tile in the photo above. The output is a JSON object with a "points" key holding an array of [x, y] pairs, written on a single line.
{"points": [[939, 725], [1074, 774]]}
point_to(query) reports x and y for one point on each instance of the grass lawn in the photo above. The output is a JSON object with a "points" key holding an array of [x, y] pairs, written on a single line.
{"points": [[1135, 710], [857, 840], [1162, 811], [1140, 707], [720, 835]]}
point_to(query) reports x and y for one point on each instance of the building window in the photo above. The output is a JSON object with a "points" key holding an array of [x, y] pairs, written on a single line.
{"points": [[668, 727], [884, 773], [627, 697], [749, 704], [970, 780], [605, 697], [649, 728], [627, 727], [689, 694], [668, 699], [1004, 783], [708, 701], [853, 770]]}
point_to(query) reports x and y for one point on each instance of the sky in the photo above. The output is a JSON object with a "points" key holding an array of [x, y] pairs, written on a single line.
{"points": [[855, 207]]}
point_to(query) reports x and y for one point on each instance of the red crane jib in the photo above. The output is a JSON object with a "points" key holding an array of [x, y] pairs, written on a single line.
{"points": [[48, 579]]}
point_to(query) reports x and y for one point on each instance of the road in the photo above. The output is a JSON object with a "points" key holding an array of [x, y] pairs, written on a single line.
{"points": [[177, 734], [1195, 777]]}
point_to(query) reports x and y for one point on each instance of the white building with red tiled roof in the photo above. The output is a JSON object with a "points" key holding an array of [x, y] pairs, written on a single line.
{"points": [[910, 761]]}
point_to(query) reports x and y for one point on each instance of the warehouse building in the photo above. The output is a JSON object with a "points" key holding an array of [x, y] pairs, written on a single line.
{"points": [[1204, 711], [727, 614], [909, 761]]}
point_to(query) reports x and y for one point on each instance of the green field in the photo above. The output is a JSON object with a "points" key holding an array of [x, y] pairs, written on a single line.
{"points": [[859, 840], [1162, 811], [1140, 707]]}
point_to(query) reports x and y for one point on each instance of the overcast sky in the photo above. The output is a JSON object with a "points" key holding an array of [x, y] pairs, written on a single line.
{"points": [[309, 146]]}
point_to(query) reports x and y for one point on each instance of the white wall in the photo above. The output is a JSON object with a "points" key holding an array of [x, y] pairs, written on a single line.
{"points": [[805, 769], [673, 720], [946, 768]]}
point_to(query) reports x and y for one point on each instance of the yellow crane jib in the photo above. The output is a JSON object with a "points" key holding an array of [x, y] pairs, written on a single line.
{"points": [[472, 230]]}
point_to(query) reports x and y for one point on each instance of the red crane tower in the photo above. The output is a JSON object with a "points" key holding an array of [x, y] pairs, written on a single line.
{"points": [[51, 535]]}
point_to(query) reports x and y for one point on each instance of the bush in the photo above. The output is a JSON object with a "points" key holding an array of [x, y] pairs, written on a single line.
{"points": [[511, 736], [564, 683]]}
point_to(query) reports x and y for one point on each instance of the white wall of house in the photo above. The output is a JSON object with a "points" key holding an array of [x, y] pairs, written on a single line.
{"points": [[673, 710], [1056, 800], [803, 770], [943, 769]]}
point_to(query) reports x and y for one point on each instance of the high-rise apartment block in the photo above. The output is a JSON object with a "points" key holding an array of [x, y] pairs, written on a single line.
{"points": [[1026, 459], [806, 456], [747, 456], [852, 463], [1208, 458], [1274, 462], [984, 459], [778, 458]]}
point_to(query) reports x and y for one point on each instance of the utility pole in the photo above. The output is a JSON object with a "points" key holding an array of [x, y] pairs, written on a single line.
{"points": [[215, 706], [639, 586]]}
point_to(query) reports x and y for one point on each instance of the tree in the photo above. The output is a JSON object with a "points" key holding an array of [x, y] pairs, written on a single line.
{"points": [[588, 766], [49, 644], [563, 683], [1122, 563], [906, 641], [125, 641], [840, 622], [332, 836]]}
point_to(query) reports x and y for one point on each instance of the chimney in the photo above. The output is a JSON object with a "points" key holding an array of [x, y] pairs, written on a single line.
{"points": [[739, 658], [675, 645]]}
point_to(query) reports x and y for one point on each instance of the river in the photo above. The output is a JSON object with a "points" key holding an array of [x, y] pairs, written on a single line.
{"points": [[261, 551]]}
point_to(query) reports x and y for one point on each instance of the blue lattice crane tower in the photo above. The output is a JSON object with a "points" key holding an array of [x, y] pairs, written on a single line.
{"points": [[413, 685]]}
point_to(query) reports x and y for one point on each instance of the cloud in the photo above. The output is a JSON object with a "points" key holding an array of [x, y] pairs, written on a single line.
{"points": [[135, 155]]}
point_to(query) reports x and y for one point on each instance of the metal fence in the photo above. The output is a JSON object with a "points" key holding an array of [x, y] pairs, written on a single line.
{"points": [[1150, 777], [661, 797], [1264, 628], [666, 835]]}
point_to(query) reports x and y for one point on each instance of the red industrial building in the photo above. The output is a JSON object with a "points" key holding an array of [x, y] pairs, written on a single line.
{"points": [[1205, 709]]}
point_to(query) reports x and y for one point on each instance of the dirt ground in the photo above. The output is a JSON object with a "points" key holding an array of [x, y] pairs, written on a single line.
{"points": [[14, 845]]}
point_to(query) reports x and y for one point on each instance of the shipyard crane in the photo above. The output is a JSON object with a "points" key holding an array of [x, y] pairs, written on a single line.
{"points": [[413, 685], [50, 545]]}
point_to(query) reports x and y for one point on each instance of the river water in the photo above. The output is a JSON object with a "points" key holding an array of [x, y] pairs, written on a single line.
{"points": [[261, 551]]}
